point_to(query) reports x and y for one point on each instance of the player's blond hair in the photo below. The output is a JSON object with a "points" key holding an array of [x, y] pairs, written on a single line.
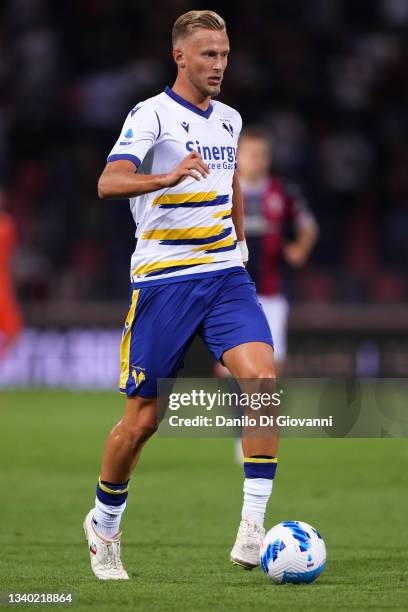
{"points": [[187, 23]]}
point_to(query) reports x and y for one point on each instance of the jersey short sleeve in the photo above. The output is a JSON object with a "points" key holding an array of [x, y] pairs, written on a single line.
{"points": [[139, 133]]}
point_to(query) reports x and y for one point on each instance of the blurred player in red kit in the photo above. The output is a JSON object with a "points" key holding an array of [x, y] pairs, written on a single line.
{"points": [[10, 317], [272, 207]]}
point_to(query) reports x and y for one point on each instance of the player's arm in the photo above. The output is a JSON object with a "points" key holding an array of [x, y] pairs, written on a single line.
{"points": [[119, 180], [298, 250], [238, 216], [306, 230]]}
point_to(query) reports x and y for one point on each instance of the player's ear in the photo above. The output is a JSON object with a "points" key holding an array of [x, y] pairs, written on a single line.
{"points": [[178, 57]]}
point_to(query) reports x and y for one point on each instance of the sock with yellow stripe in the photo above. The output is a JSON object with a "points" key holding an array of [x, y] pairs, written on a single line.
{"points": [[259, 474], [110, 502]]}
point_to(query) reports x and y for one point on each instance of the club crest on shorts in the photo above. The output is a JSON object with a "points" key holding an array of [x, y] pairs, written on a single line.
{"points": [[138, 375]]}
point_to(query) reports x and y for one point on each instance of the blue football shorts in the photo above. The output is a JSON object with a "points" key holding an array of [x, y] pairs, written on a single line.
{"points": [[164, 319]]}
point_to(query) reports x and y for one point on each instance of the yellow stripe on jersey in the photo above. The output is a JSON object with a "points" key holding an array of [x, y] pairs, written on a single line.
{"points": [[215, 245], [182, 233], [182, 198], [259, 460], [158, 265], [222, 213], [125, 344]]}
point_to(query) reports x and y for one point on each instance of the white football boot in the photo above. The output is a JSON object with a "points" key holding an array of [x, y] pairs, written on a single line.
{"points": [[247, 545], [104, 554]]}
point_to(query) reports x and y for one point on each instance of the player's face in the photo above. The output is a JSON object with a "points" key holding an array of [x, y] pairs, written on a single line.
{"points": [[205, 55], [253, 158]]}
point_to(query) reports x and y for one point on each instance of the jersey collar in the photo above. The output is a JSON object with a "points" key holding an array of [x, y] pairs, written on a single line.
{"points": [[188, 105]]}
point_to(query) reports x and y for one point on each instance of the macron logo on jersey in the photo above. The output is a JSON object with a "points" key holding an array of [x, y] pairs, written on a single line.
{"points": [[185, 125], [227, 154]]}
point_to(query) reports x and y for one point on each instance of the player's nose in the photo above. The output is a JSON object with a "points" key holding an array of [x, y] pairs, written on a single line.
{"points": [[218, 67]]}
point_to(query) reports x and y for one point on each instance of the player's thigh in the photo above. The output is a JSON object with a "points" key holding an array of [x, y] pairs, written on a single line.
{"points": [[160, 326], [234, 318]]}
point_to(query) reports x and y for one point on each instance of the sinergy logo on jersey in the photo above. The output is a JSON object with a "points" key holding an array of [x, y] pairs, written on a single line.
{"points": [[217, 158]]}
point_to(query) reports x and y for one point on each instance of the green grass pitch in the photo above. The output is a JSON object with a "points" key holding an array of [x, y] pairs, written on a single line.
{"points": [[183, 512]]}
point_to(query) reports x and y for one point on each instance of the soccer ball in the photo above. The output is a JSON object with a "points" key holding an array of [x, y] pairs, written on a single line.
{"points": [[293, 552]]}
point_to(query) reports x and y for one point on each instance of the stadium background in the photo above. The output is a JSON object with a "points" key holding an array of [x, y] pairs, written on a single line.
{"points": [[326, 79]]}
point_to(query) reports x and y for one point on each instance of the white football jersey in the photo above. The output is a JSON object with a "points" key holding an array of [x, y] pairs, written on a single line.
{"points": [[187, 229]]}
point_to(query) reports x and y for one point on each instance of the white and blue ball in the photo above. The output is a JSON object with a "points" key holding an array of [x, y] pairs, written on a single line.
{"points": [[293, 551]]}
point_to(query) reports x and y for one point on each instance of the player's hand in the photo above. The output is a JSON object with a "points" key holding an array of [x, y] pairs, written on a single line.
{"points": [[294, 254], [192, 165]]}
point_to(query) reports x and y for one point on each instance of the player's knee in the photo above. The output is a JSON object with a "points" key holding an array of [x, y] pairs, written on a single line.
{"points": [[265, 372], [260, 371], [140, 420]]}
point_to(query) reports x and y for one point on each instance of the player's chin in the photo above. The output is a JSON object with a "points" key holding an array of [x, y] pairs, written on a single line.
{"points": [[214, 90]]}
